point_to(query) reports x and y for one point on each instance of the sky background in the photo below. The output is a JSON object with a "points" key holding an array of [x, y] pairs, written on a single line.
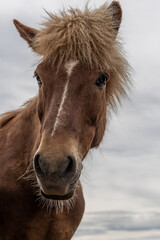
{"points": [[121, 179]]}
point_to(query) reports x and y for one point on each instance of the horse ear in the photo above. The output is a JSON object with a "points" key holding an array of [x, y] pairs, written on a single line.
{"points": [[26, 32], [116, 13]]}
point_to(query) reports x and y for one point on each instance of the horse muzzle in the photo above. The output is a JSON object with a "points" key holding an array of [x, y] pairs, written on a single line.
{"points": [[57, 178]]}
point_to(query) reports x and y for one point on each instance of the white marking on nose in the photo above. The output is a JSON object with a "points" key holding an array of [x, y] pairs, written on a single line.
{"points": [[69, 68], [64, 96]]}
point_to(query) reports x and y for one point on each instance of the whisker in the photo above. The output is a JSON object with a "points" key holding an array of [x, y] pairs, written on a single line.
{"points": [[51, 205]]}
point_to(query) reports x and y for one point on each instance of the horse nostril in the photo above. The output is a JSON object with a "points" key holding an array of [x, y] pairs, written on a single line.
{"points": [[70, 166], [37, 165]]}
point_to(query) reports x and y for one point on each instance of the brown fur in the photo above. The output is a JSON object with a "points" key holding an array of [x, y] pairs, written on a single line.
{"points": [[6, 117], [22, 215], [88, 37]]}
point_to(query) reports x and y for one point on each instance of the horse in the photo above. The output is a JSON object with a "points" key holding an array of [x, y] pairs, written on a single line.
{"points": [[81, 75]]}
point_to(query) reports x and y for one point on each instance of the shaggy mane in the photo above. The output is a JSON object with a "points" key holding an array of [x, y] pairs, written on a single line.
{"points": [[26, 108], [88, 36]]}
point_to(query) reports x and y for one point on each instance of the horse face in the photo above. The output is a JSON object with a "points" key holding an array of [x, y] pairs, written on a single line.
{"points": [[73, 99], [71, 110]]}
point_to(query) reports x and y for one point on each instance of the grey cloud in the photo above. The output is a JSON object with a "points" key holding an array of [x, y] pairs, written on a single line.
{"points": [[105, 223]]}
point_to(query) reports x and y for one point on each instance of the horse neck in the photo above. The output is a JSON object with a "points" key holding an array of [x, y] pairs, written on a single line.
{"points": [[20, 138]]}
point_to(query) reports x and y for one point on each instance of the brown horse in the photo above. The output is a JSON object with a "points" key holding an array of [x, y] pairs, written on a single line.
{"points": [[81, 75]]}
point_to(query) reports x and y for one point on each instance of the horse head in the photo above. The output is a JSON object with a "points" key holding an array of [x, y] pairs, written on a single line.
{"points": [[81, 75]]}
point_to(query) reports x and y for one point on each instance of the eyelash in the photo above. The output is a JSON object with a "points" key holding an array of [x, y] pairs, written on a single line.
{"points": [[39, 81]]}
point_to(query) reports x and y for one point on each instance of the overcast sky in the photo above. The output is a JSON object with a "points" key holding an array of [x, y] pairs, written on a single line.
{"points": [[124, 173]]}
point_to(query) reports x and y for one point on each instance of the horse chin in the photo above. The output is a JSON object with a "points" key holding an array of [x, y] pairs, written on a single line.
{"points": [[58, 197]]}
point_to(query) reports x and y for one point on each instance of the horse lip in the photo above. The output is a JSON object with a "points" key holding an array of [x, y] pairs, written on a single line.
{"points": [[58, 197]]}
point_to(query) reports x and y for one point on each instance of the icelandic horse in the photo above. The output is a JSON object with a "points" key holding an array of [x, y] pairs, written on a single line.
{"points": [[81, 75]]}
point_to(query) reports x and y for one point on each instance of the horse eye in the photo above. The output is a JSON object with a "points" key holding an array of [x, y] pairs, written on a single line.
{"points": [[102, 80], [38, 79]]}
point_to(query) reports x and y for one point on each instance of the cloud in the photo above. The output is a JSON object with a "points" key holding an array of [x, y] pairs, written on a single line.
{"points": [[120, 225]]}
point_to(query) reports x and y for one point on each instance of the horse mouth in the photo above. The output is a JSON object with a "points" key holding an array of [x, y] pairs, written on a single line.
{"points": [[58, 197]]}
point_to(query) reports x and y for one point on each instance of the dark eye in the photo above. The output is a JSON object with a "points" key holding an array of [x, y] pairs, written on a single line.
{"points": [[102, 80], [38, 79]]}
